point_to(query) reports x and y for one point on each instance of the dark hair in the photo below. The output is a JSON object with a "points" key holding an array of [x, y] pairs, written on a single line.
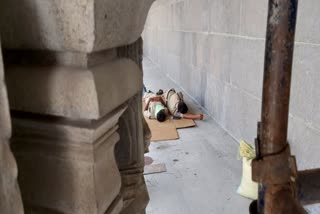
{"points": [[182, 108], [161, 116], [160, 92]]}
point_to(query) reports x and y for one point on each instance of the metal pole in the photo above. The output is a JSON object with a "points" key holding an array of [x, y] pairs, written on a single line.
{"points": [[277, 75], [274, 168]]}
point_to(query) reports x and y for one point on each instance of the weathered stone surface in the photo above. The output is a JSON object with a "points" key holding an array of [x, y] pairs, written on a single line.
{"points": [[303, 85], [178, 18], [242, 111], [135, 53], [73, 92], [5, 125], [304, 141], [221, 20], [67, 166], [73, 25], [67, 90], [198, 17], [135, 138], [308, 29], [241, 68], [221, 53], [130, 150], [10, 199], [130, 158], [254, 18], [124, 23], [215, 90]]}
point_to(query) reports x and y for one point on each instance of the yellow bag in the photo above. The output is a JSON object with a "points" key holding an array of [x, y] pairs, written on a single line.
{"points": [[247, 188], [247, 150]]}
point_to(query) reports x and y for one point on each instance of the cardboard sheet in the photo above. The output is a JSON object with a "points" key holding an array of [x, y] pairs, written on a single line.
{"points": [[167, 130], [162, 131], [184, 123]]}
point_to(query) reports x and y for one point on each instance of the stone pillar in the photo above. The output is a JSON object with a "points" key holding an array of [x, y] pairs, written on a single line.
{"points": [[10, 199], [67, 89], [65, 131], [130, 158], [135, 52], [135, 138]]}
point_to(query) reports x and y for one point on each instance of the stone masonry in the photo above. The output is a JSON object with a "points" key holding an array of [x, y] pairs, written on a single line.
{"points": [[10, 198], [67, 88]]}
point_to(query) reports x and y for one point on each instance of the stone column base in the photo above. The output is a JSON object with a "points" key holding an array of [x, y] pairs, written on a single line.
{"points": [[67, 166], [134, 192]]}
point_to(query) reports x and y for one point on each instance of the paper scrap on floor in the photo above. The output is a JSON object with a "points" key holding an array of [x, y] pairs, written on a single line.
{"points": [[154, 168]]}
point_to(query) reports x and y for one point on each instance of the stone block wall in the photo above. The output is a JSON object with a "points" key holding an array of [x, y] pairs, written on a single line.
{"points": [[214, 49]]}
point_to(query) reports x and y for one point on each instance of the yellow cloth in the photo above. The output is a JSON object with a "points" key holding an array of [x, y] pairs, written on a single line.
{"points": [[247, 188], [246, 150]]}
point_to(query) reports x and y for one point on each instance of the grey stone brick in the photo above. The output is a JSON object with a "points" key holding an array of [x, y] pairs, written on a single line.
{"points": [[197, 15], [178, 15], [308, 24], [304, 144], [215, 97], [254, 18], [224, 16], [246, 65], [220, 56], [306, 62], [242, 114]]}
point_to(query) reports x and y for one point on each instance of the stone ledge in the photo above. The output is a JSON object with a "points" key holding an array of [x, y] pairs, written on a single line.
{"points": [[73, 92]]}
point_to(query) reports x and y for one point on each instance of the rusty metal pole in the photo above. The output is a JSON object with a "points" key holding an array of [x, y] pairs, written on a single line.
{"points": [[274, 167], [277, 75]]}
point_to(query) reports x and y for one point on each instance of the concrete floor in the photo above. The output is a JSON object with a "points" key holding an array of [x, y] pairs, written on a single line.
{"points": [[203, 170]]}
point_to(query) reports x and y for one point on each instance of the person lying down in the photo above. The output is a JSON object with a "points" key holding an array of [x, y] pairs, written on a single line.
{"points": [[159, 105]]}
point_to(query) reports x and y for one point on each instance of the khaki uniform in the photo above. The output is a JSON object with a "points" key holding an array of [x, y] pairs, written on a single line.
{"points": [[172, 100]]}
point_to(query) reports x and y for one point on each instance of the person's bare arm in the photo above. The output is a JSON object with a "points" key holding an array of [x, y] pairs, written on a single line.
{"points": [[146, 106], [158, 99], [162, 101], [193, 116]]}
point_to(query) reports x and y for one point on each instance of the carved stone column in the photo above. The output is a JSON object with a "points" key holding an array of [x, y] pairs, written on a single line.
{"points": [[10, 199], [135, 52], [135, 138], [67, 89], [64, 133], [130, 158]]}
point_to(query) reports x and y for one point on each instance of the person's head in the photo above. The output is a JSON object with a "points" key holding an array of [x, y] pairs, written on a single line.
{"points": [[182, 108], [160, 92], [161, 115]]}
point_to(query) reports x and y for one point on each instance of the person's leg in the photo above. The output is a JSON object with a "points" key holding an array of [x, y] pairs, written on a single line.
{"points": [[167, 94]]}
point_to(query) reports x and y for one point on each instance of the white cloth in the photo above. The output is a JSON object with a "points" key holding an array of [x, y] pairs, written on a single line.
{"points": [[151, 111]]}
